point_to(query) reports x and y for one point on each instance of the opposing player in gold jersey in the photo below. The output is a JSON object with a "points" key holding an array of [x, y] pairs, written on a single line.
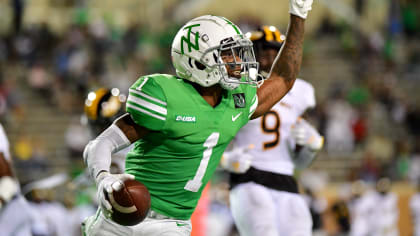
{"points": [[264, 197]]}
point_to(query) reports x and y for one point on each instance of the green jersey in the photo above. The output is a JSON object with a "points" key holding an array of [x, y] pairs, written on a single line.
{"points": [[187, 139]]}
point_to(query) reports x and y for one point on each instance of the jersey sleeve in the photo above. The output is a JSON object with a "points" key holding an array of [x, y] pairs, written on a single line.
{"points": [[146, 104], [306, 92], [310, 97], [253, 107]]}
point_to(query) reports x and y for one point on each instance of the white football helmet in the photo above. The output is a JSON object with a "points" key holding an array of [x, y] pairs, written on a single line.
{"points": [[197, 53]]}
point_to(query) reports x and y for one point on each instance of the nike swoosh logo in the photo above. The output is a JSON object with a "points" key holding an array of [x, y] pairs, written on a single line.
{"points": [[179, 224], [236, 117]]}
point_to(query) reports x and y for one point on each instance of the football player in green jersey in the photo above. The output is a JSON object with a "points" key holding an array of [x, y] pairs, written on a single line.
{"points": [[182, 124]]}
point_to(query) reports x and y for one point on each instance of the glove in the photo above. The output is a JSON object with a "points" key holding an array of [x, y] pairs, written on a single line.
{"points": [[8, 188], [237, 160], [306, 135], [107, 183], [300, 7]]}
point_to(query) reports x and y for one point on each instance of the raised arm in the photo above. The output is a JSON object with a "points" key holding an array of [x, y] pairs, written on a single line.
{"points": [[287, 64]]}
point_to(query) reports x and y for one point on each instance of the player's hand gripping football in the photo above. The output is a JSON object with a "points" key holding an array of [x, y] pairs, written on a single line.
{"points": [[305, 135], [107, 183], [238, 160], [300, 7]]}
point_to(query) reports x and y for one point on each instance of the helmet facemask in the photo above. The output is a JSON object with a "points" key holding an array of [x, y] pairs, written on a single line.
{"points": [[234, 62]]}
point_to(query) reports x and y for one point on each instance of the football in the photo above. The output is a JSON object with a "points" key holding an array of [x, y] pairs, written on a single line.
{"points": [[131, 204]]}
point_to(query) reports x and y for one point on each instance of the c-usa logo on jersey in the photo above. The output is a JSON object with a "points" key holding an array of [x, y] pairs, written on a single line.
{"points": [[184, 118]]}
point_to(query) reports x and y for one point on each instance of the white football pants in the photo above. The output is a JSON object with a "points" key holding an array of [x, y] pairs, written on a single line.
{"points": [[99, 225], [16, 218], [258, 210]]}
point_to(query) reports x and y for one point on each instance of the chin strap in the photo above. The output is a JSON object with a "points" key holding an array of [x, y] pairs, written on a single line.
{"points": [[229, 85]]}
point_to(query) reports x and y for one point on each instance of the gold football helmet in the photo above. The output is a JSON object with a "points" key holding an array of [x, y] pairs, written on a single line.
{"points": [[102, 107], [267, 41]]}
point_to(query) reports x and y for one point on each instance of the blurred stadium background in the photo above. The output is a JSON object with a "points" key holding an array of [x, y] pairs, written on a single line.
{"points": [[362, 56]]}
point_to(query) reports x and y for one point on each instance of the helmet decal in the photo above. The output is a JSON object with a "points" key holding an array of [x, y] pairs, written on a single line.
{"points": [[188, 39], [272, 34]]}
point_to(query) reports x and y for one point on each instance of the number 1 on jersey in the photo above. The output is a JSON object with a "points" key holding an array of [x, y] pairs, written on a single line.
{"points": [[195, 184]]}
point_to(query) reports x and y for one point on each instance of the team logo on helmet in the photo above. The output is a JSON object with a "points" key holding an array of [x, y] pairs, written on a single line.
{"points": [[187, 40]]}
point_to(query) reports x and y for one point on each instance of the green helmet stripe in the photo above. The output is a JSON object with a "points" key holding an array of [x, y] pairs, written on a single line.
{"points": [[233, 25]]}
